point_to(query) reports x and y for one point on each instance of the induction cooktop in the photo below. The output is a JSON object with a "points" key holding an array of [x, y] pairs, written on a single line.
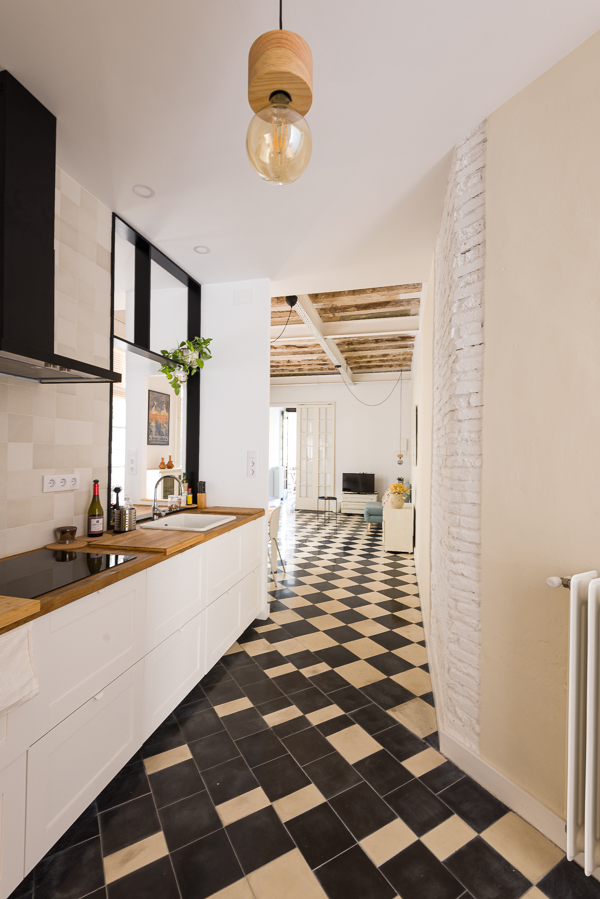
{"points": [[40, 572]]}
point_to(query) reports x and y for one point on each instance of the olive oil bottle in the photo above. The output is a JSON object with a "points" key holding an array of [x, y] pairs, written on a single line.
{"points": [[95, 526]]}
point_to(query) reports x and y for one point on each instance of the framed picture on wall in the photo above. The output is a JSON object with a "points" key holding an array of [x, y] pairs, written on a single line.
{"points": [[159, 413]]}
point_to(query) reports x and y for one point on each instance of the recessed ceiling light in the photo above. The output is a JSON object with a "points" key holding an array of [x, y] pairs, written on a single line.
{"points": [[202, 250], [142, 190]]}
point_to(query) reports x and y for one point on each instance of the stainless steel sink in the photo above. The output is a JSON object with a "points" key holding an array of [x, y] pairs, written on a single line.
{"points": [[188, 522]]}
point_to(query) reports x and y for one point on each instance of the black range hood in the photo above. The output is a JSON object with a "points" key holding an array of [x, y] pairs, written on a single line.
{"points": [[27, 187]]}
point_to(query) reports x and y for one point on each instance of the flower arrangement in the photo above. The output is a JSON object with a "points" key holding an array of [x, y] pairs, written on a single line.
{"points": [[399, 489]]}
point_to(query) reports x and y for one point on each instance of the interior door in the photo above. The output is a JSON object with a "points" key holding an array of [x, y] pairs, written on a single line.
{"points": [[315, 453]]}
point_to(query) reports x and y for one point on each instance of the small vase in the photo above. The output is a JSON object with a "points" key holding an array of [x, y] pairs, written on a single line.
{"points": [[170, 463], [162, 465], [396, 501]]}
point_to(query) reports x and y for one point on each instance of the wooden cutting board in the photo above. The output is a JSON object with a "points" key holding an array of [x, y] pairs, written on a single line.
{"points": [[156, 541], [13, 609]]}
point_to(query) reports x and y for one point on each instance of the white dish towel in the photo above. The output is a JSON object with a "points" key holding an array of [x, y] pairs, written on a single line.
{"points": [[18, 682]]}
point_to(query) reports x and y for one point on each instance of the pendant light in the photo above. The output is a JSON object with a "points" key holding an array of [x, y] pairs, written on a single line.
{"points": [[400, 458], [279, 142]]}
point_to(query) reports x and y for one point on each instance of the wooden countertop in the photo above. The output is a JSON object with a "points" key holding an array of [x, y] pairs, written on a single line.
{"points": [[148, 549]]}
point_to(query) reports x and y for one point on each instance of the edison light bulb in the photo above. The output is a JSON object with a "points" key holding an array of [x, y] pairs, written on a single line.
{"points": [[278, 142]]}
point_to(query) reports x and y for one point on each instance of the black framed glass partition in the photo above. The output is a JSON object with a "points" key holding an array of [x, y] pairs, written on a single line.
{"points": [[155, 305]]}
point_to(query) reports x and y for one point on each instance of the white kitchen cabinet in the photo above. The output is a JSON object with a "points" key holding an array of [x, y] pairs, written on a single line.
{"points": [[173, 595], [223, 564], [171, 670], [13, 792], [254, 542], [72, 763], [15, 733], [398, 529], [229, 615], [80, 648]]}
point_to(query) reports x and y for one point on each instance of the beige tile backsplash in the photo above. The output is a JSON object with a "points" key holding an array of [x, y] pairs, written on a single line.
{"points": [[63, 429]]}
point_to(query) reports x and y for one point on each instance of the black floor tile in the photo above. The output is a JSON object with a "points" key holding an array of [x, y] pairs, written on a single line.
{"points": [[433, 740], [72, 873], [344, 634], [220, 693], [287, 728], [473, 804], [390, 640], [228, 780], [349, 616], [334, 725], [416, 873], [308, 745], [328, 681], [281, 777], [128, 823], [259, 839], [568, 881], [273, 705], [332, 774], [199, 724], [349, 698], [277, 636], [167, 736], [387, 693], [353, 874], [420, 809], [291, 683], [362, 810], [206, 866], [299, 629], [175, 782], [252, 674], [401, 742], [372, 719], [130, 783], [271, 659], [319, 835], [216, 675], [311, 700], [389, 663], [25, 888], [153, 881], [84, 828], [429, 699], [486, 874], [213, 750], [303, 659], [189, 819], [383, 772], [236, 660], [308, 612], [242, 724], [441, 777], [261, 747], [335, 656]]}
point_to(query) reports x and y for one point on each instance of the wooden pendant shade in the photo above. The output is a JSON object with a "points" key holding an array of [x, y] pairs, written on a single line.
{"points": [[280, 60]]}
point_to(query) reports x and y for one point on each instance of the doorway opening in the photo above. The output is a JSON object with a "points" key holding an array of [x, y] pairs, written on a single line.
{"points": [[282, 455]]}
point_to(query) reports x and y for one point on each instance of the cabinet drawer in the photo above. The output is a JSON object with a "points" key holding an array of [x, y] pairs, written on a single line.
{"points": [[72, 763], [222, 565], [229, 615], [79, 649], [172, 595], [15, 733], [254, 543], [171, 670], [12, 825]]}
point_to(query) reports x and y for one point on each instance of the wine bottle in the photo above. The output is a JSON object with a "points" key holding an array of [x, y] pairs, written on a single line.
{"points": [[95, 526]]}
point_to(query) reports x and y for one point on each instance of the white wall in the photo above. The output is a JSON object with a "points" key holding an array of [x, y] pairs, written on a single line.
{"points": [[275, 435], [234, 395], [366, 437]]}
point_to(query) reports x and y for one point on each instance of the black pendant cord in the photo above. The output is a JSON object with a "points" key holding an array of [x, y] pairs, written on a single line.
{"points": [[281, 15], [382, 401], [284, 327]]}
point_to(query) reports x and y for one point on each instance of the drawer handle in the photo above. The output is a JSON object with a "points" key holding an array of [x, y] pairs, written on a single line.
{"points": [[181, 629], [99, 695], [101, 590]]}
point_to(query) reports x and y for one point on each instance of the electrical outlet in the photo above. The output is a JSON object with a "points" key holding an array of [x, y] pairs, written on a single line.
{"points": [[55, 483], [251, 463], [132, 465]]}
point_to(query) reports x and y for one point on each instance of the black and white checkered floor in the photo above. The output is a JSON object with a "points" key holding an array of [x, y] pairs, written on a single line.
{"points": [[306, 765]]}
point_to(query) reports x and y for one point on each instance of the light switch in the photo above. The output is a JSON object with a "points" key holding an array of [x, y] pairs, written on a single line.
{"points": [[251, 463]]}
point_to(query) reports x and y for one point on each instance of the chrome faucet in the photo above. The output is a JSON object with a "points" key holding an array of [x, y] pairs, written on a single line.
{"points": [[156, 511]]}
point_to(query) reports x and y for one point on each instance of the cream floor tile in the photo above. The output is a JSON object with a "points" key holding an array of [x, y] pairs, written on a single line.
{"points": [[342, 582], [415, 679], [267, 627], [325, 622], [287, 714], [534, 893], [337, 593], [326, 714], [229, 708], [316, 641], [373, 610], [349, 573], [447, 837], [295, 602], [410, 588], [298, 802], [239, 890], [417, 715], [288, 877], [308, 579], [332, 606], [524, 847], [243, 805], [364, 648], [409, 578], [166, 759], [313, 670], [130, 859], [280, 669], [318, 570], [359, 674], [416, 655], [376, 587], [306, 590], [285, 617], [354, 743], [257, 647], [423, 762], [411, 632], [369, 627], [412, 615], [288, 647], [235, 647], [413, 601], [388, 841]]}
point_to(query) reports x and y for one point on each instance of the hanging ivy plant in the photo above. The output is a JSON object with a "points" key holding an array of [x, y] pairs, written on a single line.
{"points": [[185, 360]]}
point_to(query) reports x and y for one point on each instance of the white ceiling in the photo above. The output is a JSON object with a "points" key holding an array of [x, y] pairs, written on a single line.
{"points": [[154, 92]]}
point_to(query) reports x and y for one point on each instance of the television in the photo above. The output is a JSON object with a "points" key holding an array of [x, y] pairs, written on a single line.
{"points": [[358, 483]]}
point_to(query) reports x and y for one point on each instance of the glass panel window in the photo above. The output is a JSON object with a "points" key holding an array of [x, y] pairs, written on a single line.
{"points": [[168, 310], [124, 288]]}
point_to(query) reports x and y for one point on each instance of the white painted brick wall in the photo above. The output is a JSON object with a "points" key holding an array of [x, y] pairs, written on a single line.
{"points": [[456, 467]]}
